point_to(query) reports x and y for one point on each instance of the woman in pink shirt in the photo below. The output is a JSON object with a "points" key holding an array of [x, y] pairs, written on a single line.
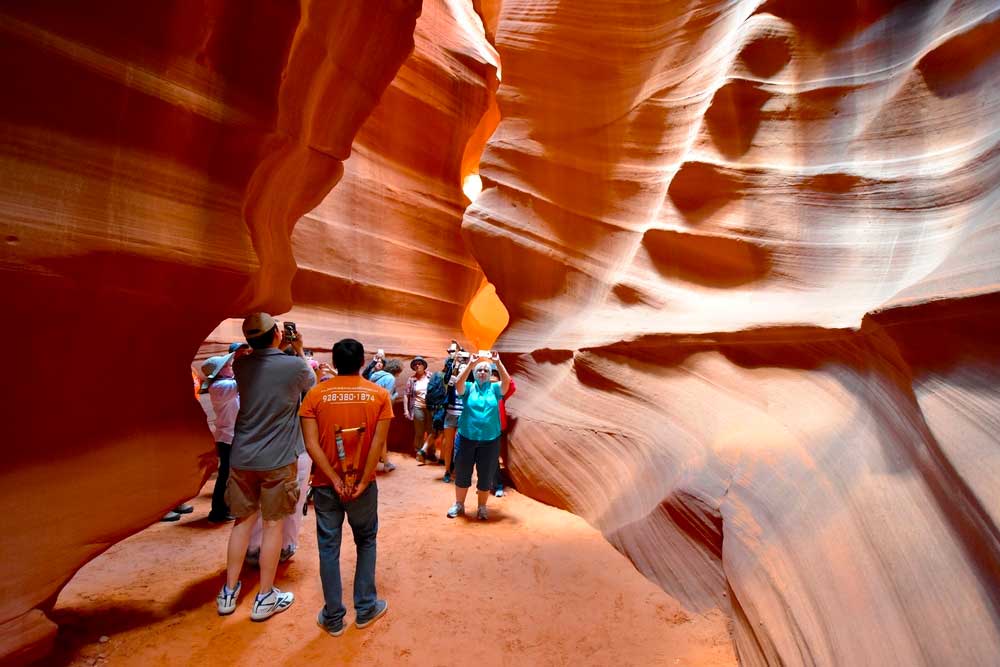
{"points": [[415, 408]]}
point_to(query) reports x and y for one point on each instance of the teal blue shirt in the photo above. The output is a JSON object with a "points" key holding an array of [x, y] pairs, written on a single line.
{"points": [[480, 418]]}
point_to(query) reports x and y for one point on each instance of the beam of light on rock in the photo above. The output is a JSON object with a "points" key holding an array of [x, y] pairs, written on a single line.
{"points": [[485, 317], [472, 186]]}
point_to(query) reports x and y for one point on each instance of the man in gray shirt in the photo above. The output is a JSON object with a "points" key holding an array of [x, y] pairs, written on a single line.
{"points": [[266, 443]]}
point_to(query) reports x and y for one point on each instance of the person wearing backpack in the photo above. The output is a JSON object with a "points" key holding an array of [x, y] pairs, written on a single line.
{"points": [[457, 360], [435, 400], [417, 409], [498, 480]]}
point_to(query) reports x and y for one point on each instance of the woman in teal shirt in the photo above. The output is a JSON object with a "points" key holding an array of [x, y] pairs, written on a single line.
{"points": [[478, 431]]}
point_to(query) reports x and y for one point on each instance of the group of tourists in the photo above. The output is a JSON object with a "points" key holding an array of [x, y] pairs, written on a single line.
{"points": [[281, 417], [459, 421]]}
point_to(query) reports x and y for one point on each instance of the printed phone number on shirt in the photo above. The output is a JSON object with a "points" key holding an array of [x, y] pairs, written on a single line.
{"points": [[348, 397]]}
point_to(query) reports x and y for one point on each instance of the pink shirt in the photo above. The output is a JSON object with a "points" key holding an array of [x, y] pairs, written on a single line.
{"points": [[420, 391]]}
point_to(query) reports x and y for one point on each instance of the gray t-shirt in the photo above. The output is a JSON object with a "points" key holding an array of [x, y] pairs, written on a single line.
{"points": [[267, 434]]}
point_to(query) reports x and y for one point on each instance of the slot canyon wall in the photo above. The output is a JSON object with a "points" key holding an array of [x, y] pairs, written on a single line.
{"points": [[155, 158], [749, 249], [751, 253]]}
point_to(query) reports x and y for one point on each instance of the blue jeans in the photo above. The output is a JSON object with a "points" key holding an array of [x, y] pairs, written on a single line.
{"points": [[362, 515]]}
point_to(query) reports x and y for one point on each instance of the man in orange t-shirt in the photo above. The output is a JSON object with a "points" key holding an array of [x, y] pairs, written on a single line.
{"points": [[344, 479]]}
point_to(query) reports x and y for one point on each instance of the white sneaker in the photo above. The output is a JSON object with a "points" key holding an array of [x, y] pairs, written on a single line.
{"points": [[226, 600], [273, 603], [456, 510]]}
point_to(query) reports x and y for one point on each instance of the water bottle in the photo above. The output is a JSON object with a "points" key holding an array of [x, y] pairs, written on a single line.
{"points": [[341, 453]]}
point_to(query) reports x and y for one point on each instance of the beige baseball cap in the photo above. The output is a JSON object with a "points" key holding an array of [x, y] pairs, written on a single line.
{"points": [[258, 324]]}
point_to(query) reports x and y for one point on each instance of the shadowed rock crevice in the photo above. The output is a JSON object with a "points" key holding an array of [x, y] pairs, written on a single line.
{"points": [[710, 261], [830, 23], [631, 296], [834, 183], [734, 116], [697, 517], [699, 189], [767, 55], [965, 62]]}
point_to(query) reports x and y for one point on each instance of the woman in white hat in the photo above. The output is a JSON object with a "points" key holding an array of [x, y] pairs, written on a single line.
{"points": [[225, 396]]}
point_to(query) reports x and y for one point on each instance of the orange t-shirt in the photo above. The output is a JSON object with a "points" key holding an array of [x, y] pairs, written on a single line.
{"points": [[346, 402]]}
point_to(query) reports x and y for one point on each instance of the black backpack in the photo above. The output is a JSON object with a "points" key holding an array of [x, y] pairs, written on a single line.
{"points": [[437, 391]]}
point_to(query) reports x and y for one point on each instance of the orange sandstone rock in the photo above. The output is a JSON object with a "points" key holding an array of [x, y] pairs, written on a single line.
{"points": [[154, 161], [753, 307]]}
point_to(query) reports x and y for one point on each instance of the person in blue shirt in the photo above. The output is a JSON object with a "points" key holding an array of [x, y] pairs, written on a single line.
{"points": [[386, 378], [478, 431]]}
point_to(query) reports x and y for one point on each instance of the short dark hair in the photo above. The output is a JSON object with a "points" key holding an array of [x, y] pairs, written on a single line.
{"points": [[265, 340], [348, 356], [393, 367]]}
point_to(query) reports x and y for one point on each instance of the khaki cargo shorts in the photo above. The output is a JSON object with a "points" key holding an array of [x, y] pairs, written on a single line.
{"points": [[274, 492]]}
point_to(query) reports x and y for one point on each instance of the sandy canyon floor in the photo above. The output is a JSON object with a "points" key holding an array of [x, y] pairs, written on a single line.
{"points": [[532, 586]]}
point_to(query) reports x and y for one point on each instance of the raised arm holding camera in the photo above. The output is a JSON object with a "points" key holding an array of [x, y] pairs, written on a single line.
{"points": [[376, 364], [267, 442]]}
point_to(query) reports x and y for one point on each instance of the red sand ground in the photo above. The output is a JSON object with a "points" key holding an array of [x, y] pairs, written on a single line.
{"points": [[532, 586]]}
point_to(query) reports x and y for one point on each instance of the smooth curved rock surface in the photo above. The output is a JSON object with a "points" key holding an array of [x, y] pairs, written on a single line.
{"points": [[754, 307], [155, 160], [731, 166]]}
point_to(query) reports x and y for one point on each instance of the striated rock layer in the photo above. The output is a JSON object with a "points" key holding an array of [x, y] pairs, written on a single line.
{"points": [[751, 251], [155, 159]]}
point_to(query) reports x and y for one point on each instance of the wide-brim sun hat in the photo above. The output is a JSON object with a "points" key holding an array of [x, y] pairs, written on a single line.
{"points": [[417, 360], [211, 366]]}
